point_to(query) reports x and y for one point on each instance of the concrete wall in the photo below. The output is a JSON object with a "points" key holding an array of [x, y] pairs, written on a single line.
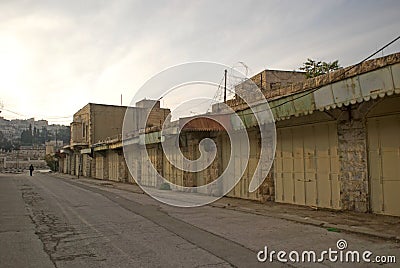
{"points": [[95, 122], [106, 121], [155, 118]]}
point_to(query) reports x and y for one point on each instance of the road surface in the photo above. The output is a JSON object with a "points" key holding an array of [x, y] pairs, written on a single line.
{"points": [[48, 221]]}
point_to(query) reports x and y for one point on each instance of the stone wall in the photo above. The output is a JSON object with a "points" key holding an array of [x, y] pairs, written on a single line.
{"points": [[86, 165], [319, 81], [353, 155], [352, 150]]}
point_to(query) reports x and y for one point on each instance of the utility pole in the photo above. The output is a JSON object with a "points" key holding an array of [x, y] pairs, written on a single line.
{"points": [[225, 85]]}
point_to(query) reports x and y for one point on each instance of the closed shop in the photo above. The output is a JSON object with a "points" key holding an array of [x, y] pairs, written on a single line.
{"points": [[306, 167], [171, 172], [150, 163], [113, 165], [99, 167], [383, 125], [241, 190], [134, 167]]}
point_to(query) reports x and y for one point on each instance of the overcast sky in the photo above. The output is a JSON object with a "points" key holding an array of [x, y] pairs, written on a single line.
{"points": [[56, 56]]}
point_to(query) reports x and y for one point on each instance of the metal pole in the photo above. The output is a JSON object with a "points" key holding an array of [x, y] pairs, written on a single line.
{"points": [[225, 86]]}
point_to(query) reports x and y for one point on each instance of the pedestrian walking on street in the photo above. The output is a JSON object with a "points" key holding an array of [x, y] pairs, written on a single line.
{"points": [[31, 169]]}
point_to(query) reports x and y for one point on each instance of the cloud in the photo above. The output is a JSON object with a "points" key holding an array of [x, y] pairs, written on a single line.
{"points": [[55, 56]]}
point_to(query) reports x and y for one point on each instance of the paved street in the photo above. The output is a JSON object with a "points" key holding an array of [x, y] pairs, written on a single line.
{"points": [[48, 221]]}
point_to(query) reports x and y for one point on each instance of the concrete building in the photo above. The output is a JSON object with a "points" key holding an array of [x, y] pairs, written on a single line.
{"points": [[95, 122], [91, 124], [94, 128]]}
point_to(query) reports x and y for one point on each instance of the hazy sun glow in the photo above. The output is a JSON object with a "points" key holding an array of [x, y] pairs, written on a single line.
{"points": [[12, 61], [56, 56]]}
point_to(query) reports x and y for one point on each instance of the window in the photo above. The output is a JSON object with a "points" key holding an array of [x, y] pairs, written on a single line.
{"points": [[83, 129]]}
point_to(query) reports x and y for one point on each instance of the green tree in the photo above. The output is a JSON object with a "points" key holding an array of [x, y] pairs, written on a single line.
{"points": [[315, 68], [26, 137], [64, 134], [43, 136], [51, 162], [5, 144]]}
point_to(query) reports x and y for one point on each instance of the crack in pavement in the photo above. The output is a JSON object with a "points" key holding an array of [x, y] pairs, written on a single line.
{"points": [[230, 251], [52, 232]]}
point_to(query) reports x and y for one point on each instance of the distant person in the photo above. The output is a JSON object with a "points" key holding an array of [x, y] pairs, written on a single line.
{"points": [[31, 169]]}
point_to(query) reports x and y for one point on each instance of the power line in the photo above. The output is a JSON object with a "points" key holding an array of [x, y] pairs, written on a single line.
{"points": [[343, 74], [13, 112], [37, 116]]}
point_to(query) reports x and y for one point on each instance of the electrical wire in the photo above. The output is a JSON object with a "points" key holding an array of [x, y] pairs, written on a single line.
{"points": [[49, 118], [12, 112], [343, 74], [219, 86], [216, 95]]}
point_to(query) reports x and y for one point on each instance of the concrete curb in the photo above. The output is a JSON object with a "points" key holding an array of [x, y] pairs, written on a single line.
{"points": [[289, 217], [317, 223]]}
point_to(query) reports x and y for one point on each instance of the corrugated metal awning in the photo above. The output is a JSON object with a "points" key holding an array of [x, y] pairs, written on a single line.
{"points": [[150, 138], [116, 145], [86, 151], [100, 148], [209, 123], [380, 82]]}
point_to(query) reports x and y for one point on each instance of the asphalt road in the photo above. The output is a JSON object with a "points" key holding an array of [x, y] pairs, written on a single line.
{"points": [[48, 221]]}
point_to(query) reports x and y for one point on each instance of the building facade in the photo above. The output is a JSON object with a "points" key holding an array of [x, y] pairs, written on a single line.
{"points": [[337, 142]]}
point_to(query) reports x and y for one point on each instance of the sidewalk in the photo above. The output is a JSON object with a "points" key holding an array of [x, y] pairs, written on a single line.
{"points": [[382, 226]]}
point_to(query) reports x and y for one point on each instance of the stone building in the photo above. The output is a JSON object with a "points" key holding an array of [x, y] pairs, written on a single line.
{"points": [[337, 139], [269, 80], [337, 142], [53, 146], [21, 159]]}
